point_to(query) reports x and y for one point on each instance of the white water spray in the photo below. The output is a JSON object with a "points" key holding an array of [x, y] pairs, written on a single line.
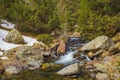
{"points": [[68, 58]]}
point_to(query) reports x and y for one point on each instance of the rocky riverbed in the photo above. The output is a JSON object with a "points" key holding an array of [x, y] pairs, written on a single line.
{"points": [[28, 59]]}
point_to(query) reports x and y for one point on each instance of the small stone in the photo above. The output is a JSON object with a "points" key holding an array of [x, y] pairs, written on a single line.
{"points": [[90, 54], [100, 67], [70, 70], [117, 45], [106, 53], [34, 64], [116, 38], [11, 69], [102, 76]]}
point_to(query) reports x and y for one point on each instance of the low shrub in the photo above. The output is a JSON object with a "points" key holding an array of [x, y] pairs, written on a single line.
{"points": [[45, 38]]}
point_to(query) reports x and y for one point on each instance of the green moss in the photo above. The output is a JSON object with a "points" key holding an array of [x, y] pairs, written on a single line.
{"points": [[45, 38], [99, 17], [38, 75]]}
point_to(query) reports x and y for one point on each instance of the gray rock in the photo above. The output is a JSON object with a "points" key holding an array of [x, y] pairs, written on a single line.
{"points": [[14, 36], [100, 42], [12, 69], [12, 66], [28, 56], [70, 70], [34, 64], [25, 53]]}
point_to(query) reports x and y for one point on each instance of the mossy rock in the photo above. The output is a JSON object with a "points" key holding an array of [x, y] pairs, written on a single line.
{"points": [[51, 66], [14, 36]]}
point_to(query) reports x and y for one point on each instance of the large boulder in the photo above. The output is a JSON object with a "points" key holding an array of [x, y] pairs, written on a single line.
{"points": [[12, 66], [14, 36], [70, 70], [25, 53], [29, 55], [100, 42]]}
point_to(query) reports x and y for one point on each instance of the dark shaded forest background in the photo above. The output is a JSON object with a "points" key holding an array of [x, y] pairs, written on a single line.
{"points": [[90, 18]]}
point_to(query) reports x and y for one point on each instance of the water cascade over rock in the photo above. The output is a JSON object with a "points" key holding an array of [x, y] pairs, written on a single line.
{"points": [[72, 44]]}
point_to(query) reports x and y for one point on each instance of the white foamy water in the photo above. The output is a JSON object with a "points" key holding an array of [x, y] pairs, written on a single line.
{"points": [[86, 57], [67, 59]]}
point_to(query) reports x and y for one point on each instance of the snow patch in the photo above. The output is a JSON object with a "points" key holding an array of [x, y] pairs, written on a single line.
{"points": [[7, 46], [7, 24]]}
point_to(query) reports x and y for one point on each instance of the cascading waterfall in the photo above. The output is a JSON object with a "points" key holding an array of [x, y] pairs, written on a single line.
{"points": [[67, 59], [72, 45]]}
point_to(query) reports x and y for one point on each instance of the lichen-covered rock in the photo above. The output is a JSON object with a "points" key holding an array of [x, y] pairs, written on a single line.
{"points": [[100, 42], [70, 70], [14, 36], [28, 55]]}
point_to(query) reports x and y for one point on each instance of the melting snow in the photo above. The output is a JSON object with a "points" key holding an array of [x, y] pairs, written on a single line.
{"points": [[7, 46], [7, 24]]}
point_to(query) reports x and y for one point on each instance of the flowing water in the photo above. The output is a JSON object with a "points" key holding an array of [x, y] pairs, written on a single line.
{"points": [[67, 59], [39, 74], [72, 45]]}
